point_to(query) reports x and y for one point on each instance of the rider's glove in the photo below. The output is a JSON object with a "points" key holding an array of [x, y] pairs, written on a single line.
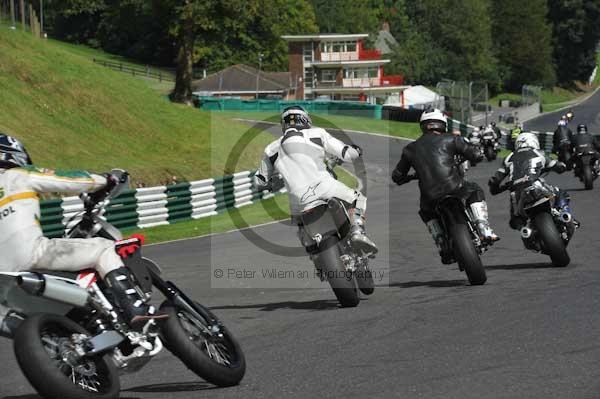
{"points": [[399, 178]]}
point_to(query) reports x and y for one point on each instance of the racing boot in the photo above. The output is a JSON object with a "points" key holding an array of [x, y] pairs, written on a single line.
{"points": [[480, 213], [437, 233], [359, 238], [127, 296]]}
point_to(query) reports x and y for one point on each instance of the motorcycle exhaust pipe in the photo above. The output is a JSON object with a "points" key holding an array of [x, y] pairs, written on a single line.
{"points": [[56, 290], [526, 233], [566, 217]]}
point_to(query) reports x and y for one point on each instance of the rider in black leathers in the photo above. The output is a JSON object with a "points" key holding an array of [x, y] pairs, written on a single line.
{"points": [[561, 144], [434, 157], [583, 141]]}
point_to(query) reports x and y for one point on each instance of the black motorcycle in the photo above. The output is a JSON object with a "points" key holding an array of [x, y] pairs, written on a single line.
{"points": [[549, 225], [587, 166], [461, 237], [489, 145], [70, 340]]}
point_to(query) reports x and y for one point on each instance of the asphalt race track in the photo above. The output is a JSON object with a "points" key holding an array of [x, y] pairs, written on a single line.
{"points": [[530, 332]]}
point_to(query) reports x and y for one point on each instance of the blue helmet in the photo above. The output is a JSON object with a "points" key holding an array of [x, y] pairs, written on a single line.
{"points": [[12, 153]]}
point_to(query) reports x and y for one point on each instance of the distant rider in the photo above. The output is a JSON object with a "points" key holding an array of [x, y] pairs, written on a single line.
{"points": [[561, 142], [522, 168], [23, 245], [434, 159], [299, 155], [583, 141]]}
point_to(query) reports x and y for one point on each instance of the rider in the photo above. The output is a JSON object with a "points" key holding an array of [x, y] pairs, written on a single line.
{"points": [[433, 156], [299, 156], [496, 130], [584, 141], [475, 136], [561, 141], [23, 246], [522, 168], [518, 129]]}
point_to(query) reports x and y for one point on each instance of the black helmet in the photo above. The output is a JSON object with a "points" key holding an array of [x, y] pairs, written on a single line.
{"points": [[493, 124], [12, 153], [582, 129], [295, 117]]}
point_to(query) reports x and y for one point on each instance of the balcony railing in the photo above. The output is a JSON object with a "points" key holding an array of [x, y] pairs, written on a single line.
{"points": [[360, 82], [335, 57]]}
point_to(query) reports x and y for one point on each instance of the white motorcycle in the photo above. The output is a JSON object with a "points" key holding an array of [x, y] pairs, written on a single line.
{"points": [[70, 340]]}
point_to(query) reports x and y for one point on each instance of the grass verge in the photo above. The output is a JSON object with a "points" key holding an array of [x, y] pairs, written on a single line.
{"points": [[73, 114]]}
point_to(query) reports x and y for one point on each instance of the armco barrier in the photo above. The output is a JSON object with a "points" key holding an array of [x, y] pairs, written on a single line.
{"points": [[351, 108], [155, 206]]}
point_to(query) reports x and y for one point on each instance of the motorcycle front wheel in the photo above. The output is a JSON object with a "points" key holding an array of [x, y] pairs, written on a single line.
{"points": [[217, 359], [45, 351]]}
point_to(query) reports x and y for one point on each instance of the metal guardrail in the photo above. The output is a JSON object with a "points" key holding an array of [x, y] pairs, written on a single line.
{"points": [[161, 205]]}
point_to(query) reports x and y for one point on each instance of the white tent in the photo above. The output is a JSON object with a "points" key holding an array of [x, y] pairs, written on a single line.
{"points": [[417, 97]]}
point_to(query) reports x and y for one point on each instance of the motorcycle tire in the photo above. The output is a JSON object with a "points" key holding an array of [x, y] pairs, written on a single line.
{"points": [[490, 154], [466, 254], [364, 280], [552, 243], [588, 177], [36, 345], [218, 361], [342, 282]]}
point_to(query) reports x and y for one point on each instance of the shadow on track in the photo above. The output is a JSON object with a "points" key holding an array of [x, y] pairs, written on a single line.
{"points": [[269, 307], [523, 266], [432, 284], [172, 387]]}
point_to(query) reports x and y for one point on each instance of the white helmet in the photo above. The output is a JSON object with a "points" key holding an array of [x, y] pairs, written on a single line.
{"points": [[527, 140], [433, 119]]}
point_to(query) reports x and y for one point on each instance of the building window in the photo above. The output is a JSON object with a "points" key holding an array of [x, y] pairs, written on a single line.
{"points": [[337, 47], [361, 73], [328, 75]]}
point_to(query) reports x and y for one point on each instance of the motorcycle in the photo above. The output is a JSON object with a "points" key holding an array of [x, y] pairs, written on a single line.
{"points": [[460, 236], [344, 267], [549, 224], [489, 145], [587, 167], [70, 341], [336, 260]]}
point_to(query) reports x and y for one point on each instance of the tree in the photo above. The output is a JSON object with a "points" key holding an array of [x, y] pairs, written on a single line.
{"points": [[436, 40], [576, 33], [522, 40], [348, 16]]}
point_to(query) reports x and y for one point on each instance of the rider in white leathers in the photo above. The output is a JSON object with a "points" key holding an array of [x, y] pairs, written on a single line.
{"points": [[299, 156], [22, 243]]}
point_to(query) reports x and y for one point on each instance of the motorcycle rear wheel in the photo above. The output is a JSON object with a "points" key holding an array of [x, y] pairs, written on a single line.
{"points": [[552, 243], [588, 177], [43, 349], [342, 281], [466, 254]]}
